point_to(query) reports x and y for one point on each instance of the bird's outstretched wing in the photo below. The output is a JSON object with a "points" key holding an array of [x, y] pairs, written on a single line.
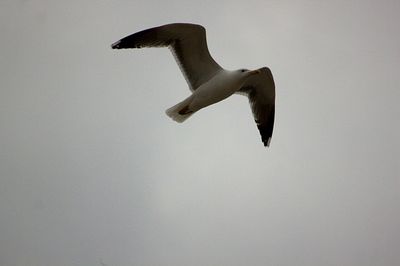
{"points": [[188, 45], [260, 90]]}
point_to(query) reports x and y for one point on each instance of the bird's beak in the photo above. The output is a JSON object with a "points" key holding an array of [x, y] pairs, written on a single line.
{"points": [[254, 72]]}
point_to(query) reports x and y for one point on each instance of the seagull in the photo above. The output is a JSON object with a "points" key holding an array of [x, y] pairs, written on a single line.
{"points": [[208, 81]]}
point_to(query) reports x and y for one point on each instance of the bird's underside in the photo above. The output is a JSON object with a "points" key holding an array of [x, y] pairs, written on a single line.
{"points": [[188, 44]]}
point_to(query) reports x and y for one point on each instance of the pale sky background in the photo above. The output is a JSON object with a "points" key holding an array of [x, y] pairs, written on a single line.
{"points": [[92, 172]]}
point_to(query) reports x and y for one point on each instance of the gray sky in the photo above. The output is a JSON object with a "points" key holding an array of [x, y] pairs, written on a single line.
{"points": [[93, 172]]}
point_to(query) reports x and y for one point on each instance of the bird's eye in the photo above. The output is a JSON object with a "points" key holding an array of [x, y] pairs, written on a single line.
{"points": [[243, 70]]}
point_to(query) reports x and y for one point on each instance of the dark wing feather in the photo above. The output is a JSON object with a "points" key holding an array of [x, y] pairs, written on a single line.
{"points": [[188, 45], [260, 90]]}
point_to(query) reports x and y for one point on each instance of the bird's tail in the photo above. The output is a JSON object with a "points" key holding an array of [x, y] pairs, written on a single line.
{"points": [[180, 112]]}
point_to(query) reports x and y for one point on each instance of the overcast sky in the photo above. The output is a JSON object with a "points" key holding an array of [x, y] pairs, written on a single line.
{"points": [[92, 171]]}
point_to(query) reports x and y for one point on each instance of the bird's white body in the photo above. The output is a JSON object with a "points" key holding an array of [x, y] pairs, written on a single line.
{"points": [[218, 88], [221, 86]]}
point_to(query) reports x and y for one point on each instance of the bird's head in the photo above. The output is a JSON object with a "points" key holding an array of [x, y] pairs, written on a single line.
{"points": [[247, 73]]}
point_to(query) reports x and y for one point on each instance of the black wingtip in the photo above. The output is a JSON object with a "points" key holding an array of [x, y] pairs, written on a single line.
{"points": [[267, 142], [266, 135], [116, 45]]}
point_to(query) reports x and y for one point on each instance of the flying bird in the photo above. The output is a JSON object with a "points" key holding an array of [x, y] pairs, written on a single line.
{"points": [[208, 81]]}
